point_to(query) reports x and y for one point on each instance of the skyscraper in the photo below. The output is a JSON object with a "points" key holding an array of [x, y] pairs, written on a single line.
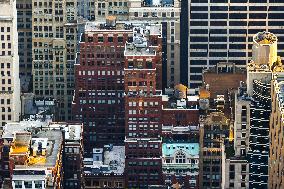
{"points": [[143, 128], [54, 48], [264, 64], [276, 133], [9, 61], [214, 130], [98, 99], [223, 31], [167, 13]]}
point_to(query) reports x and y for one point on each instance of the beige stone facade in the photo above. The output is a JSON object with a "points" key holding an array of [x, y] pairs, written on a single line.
{"points": [[9, 64], [54, 52]]}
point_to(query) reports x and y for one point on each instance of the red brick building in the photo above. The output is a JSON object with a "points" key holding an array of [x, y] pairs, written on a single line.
{"points": [[143, 107], [99, 86]]}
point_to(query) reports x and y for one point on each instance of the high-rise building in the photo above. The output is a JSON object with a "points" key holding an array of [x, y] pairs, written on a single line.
{"points": [[98, 99], [223, 31], [9, 61], [143, 129], [219, 94], [237, 166], [214, 133], [24, 26], [264, 64], [276, 133], [54, 37], [167, 13]]}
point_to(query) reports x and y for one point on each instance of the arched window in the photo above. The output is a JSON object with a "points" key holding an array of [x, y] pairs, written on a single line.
{"points": [[180, 157]]}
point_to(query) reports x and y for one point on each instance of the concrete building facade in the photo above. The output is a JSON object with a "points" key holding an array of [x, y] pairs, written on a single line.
{"points": [[24, 26], [9, 61], [276, 134], [54, 39], [214, 130]]}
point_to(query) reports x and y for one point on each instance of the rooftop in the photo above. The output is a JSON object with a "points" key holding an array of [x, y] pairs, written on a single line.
{"points": [[103, 26], [180, 129], [216, 118], [170, 149], [179, 98], [36, 148], [113, 161], [11, 128], [158, 3], [265, 38], [225, 67], [71, 131], [36, 151], [141, 44]]}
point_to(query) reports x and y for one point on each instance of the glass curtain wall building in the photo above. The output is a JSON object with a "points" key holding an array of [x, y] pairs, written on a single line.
{"points": [[222, 30]]}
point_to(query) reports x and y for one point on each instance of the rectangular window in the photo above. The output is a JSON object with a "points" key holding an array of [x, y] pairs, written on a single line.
{"points": [[100, 39], [110, 39]]}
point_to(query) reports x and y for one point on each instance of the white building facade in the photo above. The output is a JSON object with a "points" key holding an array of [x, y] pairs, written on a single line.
{"points": [[9, 62]]}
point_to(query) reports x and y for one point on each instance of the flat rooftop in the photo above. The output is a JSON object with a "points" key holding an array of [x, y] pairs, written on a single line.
{"points": [[12, 127], [169, 149], [101, 26], [71, 131], [113, 161], [158, 3], [265, 38], [141, 46], [54, 140]]}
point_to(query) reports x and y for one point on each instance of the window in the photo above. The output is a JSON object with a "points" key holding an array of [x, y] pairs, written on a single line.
{"points": [[110, 39], [18, 184], [180, 157], [149, 65], [28, 184], [120, 39], [232, 175], [244, 167], [38, 184], [130, 64], [100, 39], [232, 168]]}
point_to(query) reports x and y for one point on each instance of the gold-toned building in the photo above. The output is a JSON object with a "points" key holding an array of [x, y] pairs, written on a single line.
{"points": [[214, 129], [276, 134]]}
